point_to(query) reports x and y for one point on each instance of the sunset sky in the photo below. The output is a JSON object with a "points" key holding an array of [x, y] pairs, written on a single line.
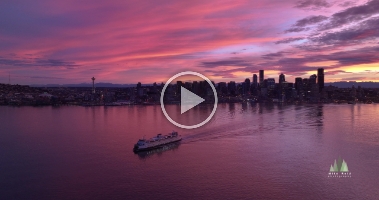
{"points": [[130, 41]]}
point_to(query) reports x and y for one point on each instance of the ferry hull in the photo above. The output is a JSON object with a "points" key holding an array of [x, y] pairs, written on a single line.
{"points": [[139, 149]]}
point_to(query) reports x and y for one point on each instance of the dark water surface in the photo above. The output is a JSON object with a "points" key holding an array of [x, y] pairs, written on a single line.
{"points": [[245, 152]]}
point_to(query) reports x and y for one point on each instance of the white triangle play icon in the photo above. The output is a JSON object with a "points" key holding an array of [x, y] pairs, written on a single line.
{"points": [[188, 100]]}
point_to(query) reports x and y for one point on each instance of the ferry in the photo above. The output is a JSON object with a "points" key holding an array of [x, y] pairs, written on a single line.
{"points": [[148, 153], [156, 142]]}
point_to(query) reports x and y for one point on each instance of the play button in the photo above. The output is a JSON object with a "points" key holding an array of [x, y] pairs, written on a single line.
{"points": [[189, 100]]}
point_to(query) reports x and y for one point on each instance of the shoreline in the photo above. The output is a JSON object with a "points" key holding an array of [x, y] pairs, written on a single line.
{"points": [[154, 104]]}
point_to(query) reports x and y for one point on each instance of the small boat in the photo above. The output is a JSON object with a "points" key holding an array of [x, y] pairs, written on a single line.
{"points": [[156, 142]]}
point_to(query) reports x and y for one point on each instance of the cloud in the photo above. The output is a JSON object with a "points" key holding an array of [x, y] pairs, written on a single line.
{"points": [[347, 4], [314, 19], [367, 30], [297, 64], [233, 62], [222, 74], [352, 14], [356, 57], [271, 56], [130, 41], [37, 62], [288, 40], [354, 78], [46, 77], [297, 29], [345, 58], [334, 72], [300, 25], [312, 4]]}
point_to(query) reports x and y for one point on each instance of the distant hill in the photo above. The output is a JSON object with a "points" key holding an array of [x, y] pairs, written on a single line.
{"points": [[345, 84], [341, 84]]}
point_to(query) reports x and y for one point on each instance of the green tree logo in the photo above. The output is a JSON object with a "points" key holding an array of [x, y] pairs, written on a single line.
{"points": [[339, 166], [339, 169]]}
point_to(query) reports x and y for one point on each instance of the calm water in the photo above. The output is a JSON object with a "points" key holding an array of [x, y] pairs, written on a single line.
{"points": [[245, 152]]}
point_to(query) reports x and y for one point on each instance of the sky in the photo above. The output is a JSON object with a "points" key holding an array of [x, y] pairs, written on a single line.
{"points": [[130, 41]]}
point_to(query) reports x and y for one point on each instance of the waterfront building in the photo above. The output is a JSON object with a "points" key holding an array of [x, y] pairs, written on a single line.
{"points": [[281, 78], [320, 78], [261, 76], [299, 84], [179, 84], [232, 88], [222, 88], [271, 83], [246, 89], [255, 81]]}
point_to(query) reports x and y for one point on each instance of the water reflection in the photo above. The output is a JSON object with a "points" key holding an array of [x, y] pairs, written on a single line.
{"points": [[232, 109], [265, 108], [316, 115], [244, 106], [284, 152], [159, 151]]}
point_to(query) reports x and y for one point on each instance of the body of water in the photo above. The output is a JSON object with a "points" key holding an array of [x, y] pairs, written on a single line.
{"points": [[245, 152]]}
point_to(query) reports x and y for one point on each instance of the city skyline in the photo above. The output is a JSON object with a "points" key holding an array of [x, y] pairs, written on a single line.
{"points": [[122, 42]]}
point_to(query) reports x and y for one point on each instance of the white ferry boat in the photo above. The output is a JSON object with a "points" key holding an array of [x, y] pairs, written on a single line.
{"points": [[158, 141]]}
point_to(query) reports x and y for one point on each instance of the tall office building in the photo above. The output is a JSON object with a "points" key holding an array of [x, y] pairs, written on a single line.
{"points": [[312, 79], [246, 86], [261, 76], [195, 87], [188, 86], [255, 81], [313, 91], [247, 82], [222, 87], [179, 85], [270, 83], [232, 88], [320, 78], [306, 84], [139, 89], [299, 84], [282, 78]]}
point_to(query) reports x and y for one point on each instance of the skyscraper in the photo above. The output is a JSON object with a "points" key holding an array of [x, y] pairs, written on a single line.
{"points": [[282, 78], [255, 81], [247, 82], [270, 83], [247, 86], [232, 87], [299, 84], [261, 76], [313, 88], [139, 89], [195, 87], [312, 79], [179, 85], [222, 86], [320, 78]]}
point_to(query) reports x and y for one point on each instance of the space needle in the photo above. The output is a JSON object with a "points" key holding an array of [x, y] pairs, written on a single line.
{"points": [[93, 85]]}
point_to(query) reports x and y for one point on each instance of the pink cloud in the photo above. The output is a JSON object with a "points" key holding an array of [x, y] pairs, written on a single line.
{"points": [[131, 41]]}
